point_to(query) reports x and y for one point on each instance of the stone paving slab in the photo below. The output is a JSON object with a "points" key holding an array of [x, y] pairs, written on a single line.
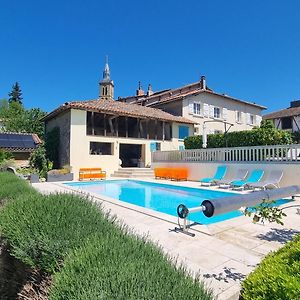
{"points": [[223, 253]]}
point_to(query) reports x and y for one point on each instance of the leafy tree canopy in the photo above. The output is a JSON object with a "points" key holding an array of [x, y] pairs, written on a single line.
{"points": [[15, 118]]}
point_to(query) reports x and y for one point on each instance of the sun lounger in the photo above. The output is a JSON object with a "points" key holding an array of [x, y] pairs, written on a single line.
{"points": [[220, 173], [240, 175], [255, 176], [272, 181], [225, 183]]}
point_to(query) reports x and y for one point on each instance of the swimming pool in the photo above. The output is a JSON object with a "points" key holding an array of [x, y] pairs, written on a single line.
{"points": [[160, 197]]}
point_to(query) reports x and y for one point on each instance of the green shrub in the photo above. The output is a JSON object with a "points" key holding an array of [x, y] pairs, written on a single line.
{"points": [[277, 276], [12, 187], [258, 136], [91, 257], [123, 267], [39, 161], [41, 230]]}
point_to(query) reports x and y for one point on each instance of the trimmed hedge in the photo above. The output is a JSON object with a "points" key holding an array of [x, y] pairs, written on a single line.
{"points": [[258, 136], [88, 253], [277, 277]]}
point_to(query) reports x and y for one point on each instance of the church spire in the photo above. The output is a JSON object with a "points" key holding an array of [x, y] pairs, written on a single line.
{"points": [[106, 72], [106, 84]]}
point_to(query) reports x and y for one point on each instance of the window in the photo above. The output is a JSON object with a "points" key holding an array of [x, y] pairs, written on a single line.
{"points": [[183, 132], [286, 123], [97, 148], [197, 108], [252, 119], [217, 112], [154, 146]]}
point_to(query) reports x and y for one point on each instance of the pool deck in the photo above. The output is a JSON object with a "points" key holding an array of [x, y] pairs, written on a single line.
{"points": [[222, 253]]}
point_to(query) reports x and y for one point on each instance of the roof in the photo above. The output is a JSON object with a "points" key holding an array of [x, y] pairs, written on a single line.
{"points": [[19, 142], [200, 91], [288, 112], [184, 91], [118, 108]]}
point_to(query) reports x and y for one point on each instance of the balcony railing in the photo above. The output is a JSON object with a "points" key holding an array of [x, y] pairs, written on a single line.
{"points": [[270, 154]]}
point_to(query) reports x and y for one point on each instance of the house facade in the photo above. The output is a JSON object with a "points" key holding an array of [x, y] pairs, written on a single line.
{"points": [[201, 104], [112, 134], [286, 119]]}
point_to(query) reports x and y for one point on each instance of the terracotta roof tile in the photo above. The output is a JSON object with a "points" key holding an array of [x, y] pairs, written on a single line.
{"points": [[288, 112], [119, 108]]}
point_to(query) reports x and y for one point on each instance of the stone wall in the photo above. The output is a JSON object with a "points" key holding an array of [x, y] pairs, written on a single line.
{"points": [[63, 121]]}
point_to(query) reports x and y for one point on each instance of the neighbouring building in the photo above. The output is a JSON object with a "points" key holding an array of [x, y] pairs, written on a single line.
{"points": [[287, 119], [107, 133], [21, 145], [200, 104]]}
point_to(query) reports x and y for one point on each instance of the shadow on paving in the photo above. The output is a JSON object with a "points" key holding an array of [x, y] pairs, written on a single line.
{"points": [[278, 235], [226, 275]]}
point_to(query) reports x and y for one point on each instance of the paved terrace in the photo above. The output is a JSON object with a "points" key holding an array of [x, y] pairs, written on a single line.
{"points": [[223, 253]]}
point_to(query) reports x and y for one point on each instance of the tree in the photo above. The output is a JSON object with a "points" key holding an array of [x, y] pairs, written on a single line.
{"points": [[15, 118], [15, 94]]}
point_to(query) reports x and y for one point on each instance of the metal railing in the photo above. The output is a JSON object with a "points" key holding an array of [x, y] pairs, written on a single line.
{"points": [[275, 153]]}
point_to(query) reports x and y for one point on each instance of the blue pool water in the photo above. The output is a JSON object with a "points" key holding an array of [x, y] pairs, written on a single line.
{"points": [[160, 197]]}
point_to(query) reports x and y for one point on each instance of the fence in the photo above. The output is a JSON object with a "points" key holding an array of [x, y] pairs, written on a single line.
{"points": [[275, 153]]}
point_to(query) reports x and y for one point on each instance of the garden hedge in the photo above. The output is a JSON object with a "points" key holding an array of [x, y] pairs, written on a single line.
{"points": [[88, 253], [277, 277], [258, 136]]}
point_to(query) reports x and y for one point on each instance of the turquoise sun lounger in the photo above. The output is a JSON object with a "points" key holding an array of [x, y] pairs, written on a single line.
{"points": [[254, 177], [220, 173]]}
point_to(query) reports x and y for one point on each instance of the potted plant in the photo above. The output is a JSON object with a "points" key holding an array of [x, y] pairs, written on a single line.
{"points": [[63, 174]]}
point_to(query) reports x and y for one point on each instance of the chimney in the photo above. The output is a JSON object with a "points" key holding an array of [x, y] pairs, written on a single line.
{"points": [[139, 91], [203, 83], [295, 103], [149, 92]]}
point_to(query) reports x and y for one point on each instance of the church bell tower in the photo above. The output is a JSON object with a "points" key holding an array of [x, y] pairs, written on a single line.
{"points": [[106, 84]]}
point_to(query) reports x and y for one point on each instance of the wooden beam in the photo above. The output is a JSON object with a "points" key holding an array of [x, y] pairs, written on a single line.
{"points": [[295, 123], [104, 120], [93, 124]]}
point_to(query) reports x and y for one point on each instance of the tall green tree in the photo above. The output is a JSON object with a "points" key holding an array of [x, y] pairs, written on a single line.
{"points": [[16, 94], [15, 118]]}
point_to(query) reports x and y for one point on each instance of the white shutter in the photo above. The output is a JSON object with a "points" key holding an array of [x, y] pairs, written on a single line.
{"points": [[206, 110], [248, 121], [258, 120], [236, 116], [225, 114], [191, 108], [242, 117], [211, 111]]}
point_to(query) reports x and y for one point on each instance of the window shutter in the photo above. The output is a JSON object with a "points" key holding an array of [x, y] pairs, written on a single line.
{"points": [[236, 116], [211, 111], [225, 114], [258, 120], [248, 119], [242, 117], [206, 110], [191, 108]]}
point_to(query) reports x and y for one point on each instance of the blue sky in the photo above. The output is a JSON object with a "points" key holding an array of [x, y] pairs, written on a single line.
{"points": [[56, 49]]}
